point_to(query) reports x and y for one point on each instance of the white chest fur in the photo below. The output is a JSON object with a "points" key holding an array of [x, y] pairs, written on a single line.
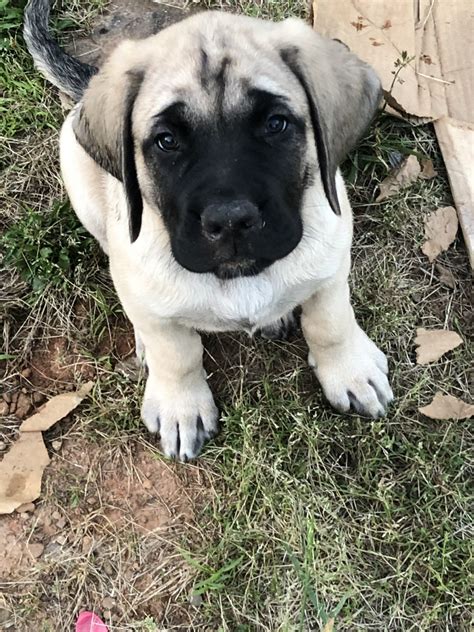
{"points": [[152, 285]]}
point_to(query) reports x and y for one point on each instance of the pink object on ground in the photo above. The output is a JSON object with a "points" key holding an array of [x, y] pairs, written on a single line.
{"points": [[90, 622]]}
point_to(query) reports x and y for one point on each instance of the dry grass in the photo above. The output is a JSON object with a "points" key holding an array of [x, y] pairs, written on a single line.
{"points": [[305, 514]]}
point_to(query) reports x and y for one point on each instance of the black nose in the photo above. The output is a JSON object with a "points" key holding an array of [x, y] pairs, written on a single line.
{"points": [[222, 219]]}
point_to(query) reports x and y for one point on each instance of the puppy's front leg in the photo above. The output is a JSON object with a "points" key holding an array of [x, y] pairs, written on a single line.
{"points": [[350, 367], [178, 403]]}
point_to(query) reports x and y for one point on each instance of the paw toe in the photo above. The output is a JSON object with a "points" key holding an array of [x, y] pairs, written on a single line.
{"points": [[366, 404]]}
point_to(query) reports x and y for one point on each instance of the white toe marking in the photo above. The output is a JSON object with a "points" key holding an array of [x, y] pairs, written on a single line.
{"points": [[354, 375]]}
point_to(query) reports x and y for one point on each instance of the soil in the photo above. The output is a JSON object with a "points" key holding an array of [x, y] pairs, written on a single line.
{"points": [[95, 499], [126, 19], [150, 494]]}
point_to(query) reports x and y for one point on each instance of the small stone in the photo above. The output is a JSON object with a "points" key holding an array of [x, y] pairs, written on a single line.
{"points": [[87, 544], [107, 568], [26, 373], [53, 551], [24, 390], [4, 615], [66, 101], [91, 500], [61, 523], [3, 445], [23, 406], [36, 549], [26, 508], [195, 600], [108, 603], [56, 515], [56, 445], [38, 398], [61, 539], [147, 484], [4, 409]]}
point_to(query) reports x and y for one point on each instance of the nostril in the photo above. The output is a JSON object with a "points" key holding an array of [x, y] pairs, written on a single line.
{"points": [[246, 223], [212, 229]]}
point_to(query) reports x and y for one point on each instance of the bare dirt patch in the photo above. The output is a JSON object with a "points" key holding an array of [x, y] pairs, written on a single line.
{"points": [[126, 19], [104, 514]]}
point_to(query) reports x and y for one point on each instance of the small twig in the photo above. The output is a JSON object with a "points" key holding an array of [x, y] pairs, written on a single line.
{"points": [[422, 26], [400, 63], [434, 78]]}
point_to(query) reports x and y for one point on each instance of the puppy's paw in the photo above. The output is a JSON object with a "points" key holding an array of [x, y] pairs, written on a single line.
{"points": [[354, 375], [185, 418], [282, 329]]}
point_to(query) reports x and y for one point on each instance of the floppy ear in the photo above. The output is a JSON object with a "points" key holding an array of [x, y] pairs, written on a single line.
{"points": [[103, 127], [343, 93]]}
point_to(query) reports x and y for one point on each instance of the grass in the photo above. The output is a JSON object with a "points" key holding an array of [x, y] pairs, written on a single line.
{"points": [[308, 517]]}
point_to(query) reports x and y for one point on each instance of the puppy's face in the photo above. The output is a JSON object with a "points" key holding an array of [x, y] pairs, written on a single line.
{"points": [[221, 123], [228, 178]]}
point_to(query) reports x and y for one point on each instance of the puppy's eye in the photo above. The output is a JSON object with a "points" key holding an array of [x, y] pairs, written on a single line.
{"points": [[167, 142], [276, 124]]}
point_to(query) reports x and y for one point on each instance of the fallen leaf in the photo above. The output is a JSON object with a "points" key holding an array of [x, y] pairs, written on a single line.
{"points": [[55, 409], [427, 169], [447, 407], [377, 43], [387, 25], [22, 467], [426, 58], [441, 227], [35, 549], [329, 627], [435, 343], [21, 471], [26, 508], [399, 178], [446, 277]]}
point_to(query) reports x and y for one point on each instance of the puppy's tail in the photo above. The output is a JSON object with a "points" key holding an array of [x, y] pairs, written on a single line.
{"points": [[68, 74]]}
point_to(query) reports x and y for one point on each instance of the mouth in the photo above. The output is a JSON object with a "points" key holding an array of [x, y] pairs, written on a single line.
{"points": [[238, 268]]}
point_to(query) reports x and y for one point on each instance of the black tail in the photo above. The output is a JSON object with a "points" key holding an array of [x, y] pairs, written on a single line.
{"points": [[68, 74]]}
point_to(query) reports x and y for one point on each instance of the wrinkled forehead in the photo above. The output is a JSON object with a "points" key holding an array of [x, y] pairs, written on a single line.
{"points": [[216, 76]]}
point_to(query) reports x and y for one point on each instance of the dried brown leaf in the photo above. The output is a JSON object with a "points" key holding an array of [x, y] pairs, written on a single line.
{"points": [[427, 169], [22, 467], [447, 407], [399, 178], [433, 344], [54, 410], [441, 227], [446, 277], [21, 471]]}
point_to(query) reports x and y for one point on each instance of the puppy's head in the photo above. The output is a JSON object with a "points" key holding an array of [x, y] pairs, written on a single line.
{"points": [[220, 123]]}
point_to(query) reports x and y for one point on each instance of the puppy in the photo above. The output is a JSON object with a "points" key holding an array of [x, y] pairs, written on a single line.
{"points": [[204, 160]]}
